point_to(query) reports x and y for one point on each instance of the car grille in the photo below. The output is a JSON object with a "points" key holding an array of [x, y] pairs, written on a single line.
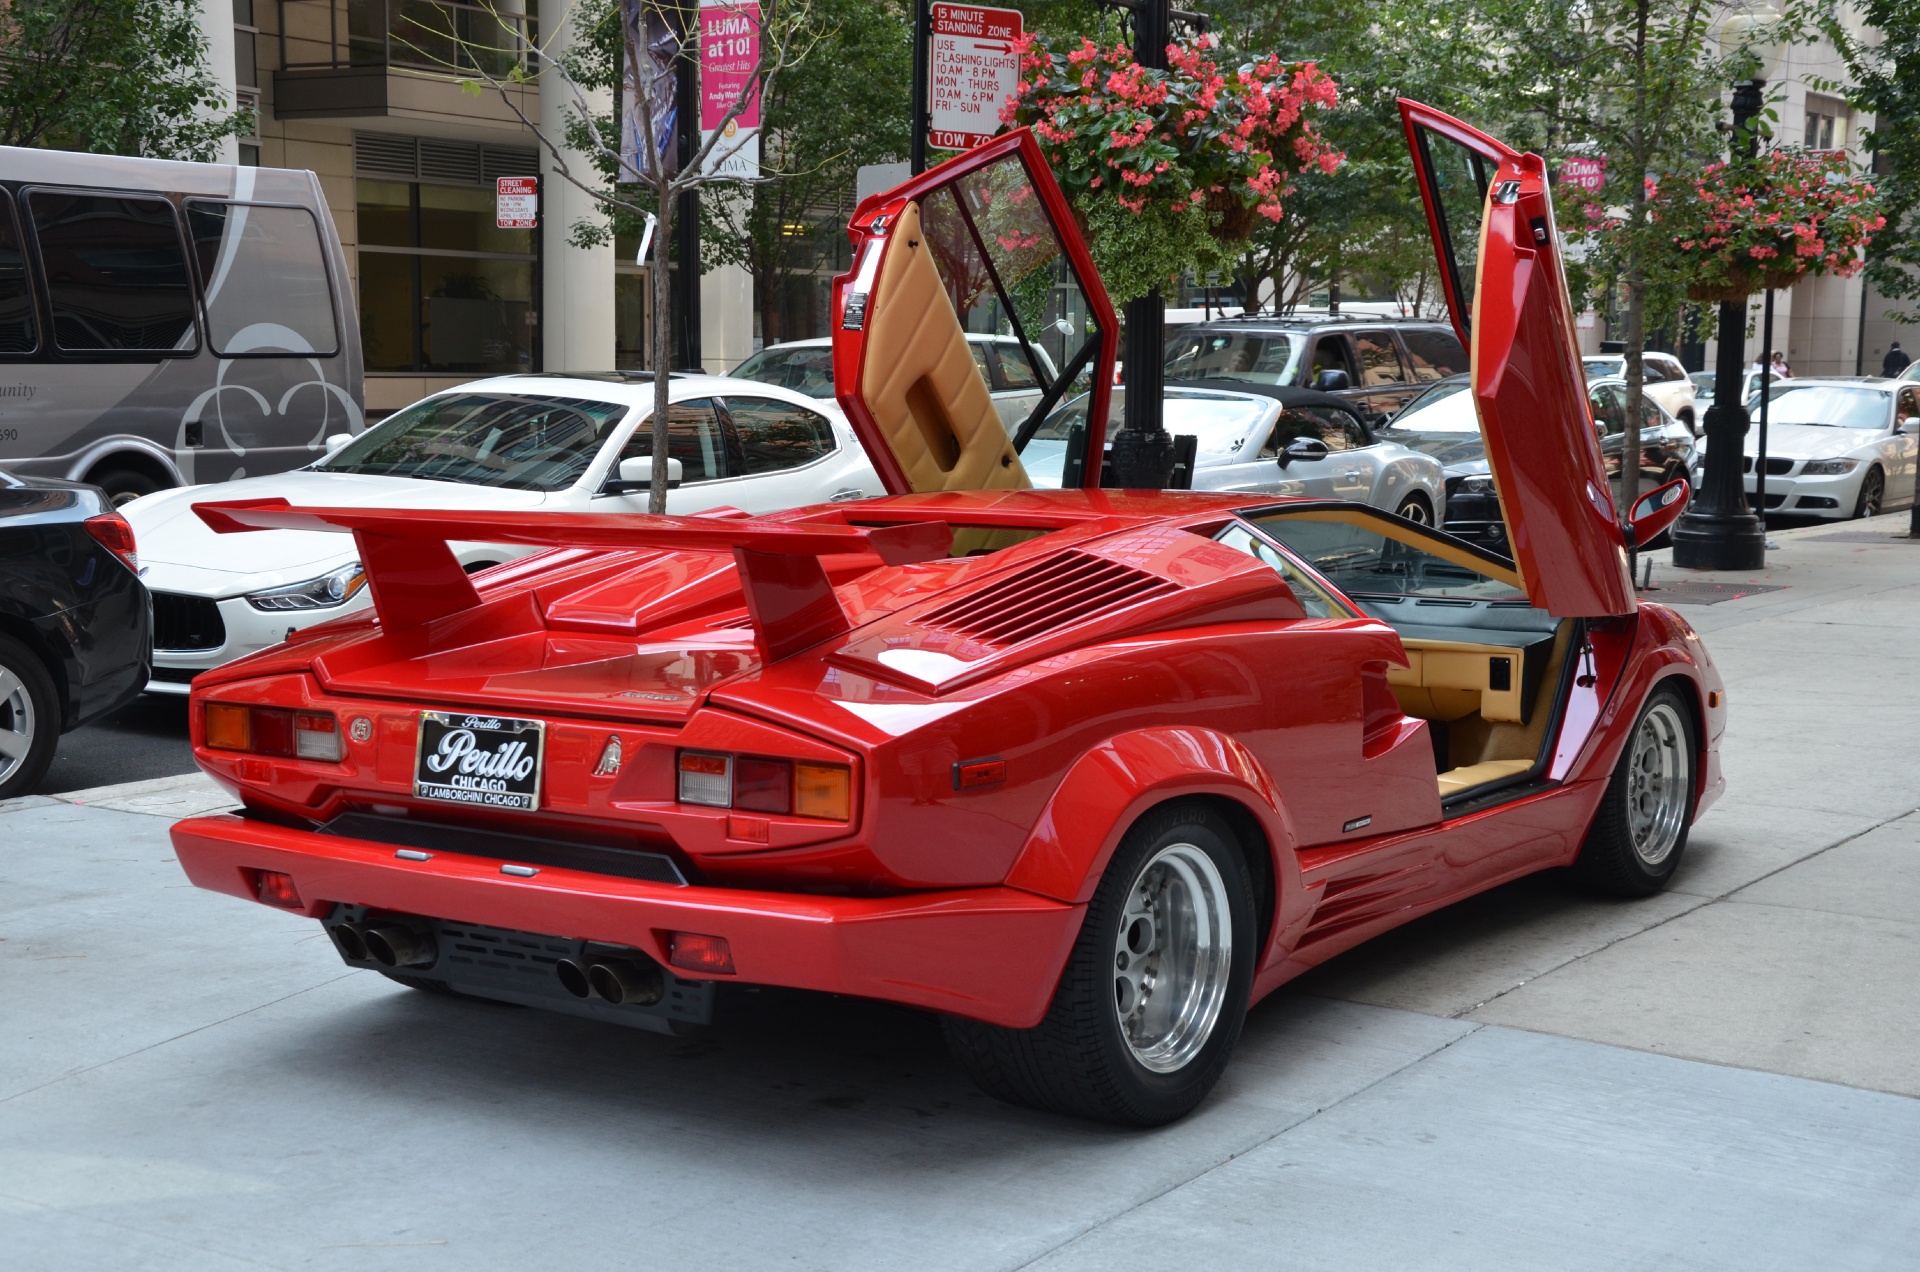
{"points": [[1775, 467], [174, 675], [183, 623]]}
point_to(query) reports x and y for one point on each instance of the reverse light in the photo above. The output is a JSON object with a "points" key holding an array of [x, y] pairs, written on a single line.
{"points": [[275, 888], [759, 785], [112, 532], [699, 953], [1829, 467], [329, 591], [305, 735]]}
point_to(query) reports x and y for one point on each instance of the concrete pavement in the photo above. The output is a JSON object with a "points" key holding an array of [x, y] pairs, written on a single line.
{"points": [[1720, 1077]]}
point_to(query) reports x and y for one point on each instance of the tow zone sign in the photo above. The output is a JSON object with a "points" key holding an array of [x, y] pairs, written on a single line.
{"points": [[974, 71]]}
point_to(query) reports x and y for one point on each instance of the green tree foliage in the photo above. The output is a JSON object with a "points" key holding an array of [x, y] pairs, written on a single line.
{"points": [[1885, 67], [113, 77]]}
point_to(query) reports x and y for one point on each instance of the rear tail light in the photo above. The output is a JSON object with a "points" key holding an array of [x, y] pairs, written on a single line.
{"points": [[112, 532], [305, 735], [756, 785], [275, 888], [698, 953]]}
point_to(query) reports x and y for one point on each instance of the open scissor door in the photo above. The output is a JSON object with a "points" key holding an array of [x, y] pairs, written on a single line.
{"points": [[957, 273], [1491, 214]]}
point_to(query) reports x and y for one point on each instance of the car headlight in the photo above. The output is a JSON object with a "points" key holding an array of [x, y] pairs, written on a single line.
{"points": [[329, 591], [1829, 467], [1474, 486]]}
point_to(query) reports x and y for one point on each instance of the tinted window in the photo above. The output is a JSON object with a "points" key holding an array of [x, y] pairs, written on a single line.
{"points": [[1379, 358], [265, 279], [1609, 405], [1330, 354], [484, 439], [807, 370], [777, 435], [1015, 371], [18, 331], [1909, 404], [116, 272], [1338, 430], [695, 438], [1459, 200], [1259, 357], [1435, 354], [1362, 562]]}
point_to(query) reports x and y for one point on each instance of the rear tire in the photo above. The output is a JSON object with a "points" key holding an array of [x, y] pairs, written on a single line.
{"points": [[1873, 493], [123, 485], [1637, 836], [29, 719], [1154, 993], [1416, 509]]}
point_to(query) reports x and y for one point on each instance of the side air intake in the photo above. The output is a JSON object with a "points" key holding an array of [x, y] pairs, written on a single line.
{"points": [[1059, 592]]}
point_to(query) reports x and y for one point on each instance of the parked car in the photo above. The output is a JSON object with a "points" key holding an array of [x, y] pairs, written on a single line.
{"points": [[74, 625], [1836, 448], [547, 443], [166, 324], [1377, 364], [1703, 389], [1666, 381], [1269, 440], [1444, 425], [1085, 772], [1013, 379]]}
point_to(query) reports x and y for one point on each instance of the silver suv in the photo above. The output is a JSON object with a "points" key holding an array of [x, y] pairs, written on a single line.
{"points": [[1379, 365]]}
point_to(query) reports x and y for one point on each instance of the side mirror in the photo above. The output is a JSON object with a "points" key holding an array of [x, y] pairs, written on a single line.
{"points": [[1303, 448], [1909, 426], [1659, 508], [637, 474], [1330, 380], [336, 440]]}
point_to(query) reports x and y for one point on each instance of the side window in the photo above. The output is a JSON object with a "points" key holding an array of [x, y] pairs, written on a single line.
{"points": [[776, 435], [978, 349], [1330, 354], [116, 272], [1435, 354], [1609, 405], [1339, 430], [19, 332], [1379, 358], [1015, 371], [1292, 425], [695, 438], [264, 278], [1312, 597], [1908, 406]]}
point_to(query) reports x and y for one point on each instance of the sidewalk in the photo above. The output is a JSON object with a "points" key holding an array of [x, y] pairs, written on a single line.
{"points": [[1720, 1077]]}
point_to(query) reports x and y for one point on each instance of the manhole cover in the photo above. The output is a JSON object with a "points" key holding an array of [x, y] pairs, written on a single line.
{"points": [[1860, 536], [1689, 593]]}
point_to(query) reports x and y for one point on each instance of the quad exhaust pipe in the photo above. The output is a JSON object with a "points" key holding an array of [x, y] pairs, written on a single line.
{"points": [[385, 942], [624, 982]]}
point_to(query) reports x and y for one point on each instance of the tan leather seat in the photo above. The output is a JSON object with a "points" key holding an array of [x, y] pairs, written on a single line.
{"points": [[1455, 780], [920, 380]]}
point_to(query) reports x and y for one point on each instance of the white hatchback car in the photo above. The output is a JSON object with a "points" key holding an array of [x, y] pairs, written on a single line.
{"points": [[1836, 448], [1665, 380], [562, 443]]}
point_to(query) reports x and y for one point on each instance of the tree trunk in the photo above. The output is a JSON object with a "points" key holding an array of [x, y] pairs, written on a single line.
{"points": [[661, 342]]}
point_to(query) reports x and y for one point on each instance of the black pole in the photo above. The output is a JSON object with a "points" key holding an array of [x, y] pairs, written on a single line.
{"points": [[1719, 531], [686, 228], [922, 69], [1142, 457], [1766, 397]]}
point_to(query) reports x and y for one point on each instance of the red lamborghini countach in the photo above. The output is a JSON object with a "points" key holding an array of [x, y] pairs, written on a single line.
{"points": [[1083, 771]]}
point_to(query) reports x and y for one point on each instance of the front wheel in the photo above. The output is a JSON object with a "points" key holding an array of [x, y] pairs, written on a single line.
{"points": [[1416, 509], [1634, 844], [1873, 492], [29, 719], [1154, 993]]}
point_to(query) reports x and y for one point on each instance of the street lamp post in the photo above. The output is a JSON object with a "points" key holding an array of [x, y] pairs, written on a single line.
{"points": [[1719, 531]]}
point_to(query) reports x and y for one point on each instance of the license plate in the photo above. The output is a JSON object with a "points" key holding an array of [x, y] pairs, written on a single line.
{"points": [[482, 760]]}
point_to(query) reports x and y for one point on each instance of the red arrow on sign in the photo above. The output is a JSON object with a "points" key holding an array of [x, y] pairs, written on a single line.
{"points": [[997, 48]]}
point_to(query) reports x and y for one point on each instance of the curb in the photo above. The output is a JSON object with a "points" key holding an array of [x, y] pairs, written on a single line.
{"points": [[187, 795]]}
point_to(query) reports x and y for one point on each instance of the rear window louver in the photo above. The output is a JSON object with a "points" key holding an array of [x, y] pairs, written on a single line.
{"points": [[1059, 592]]}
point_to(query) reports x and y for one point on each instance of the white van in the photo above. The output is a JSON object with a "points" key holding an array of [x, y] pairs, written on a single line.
{"points": [[167, 324]]}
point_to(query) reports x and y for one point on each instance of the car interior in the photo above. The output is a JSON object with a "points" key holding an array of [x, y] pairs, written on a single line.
{"points": [[1485, 668]]}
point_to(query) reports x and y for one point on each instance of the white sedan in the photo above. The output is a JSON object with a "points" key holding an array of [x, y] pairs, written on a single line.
{"points": [[564, 443], [1836, 448]]}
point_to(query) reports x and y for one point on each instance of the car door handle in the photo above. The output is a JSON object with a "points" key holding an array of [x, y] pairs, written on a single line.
{"points": [[1352, 474], [842, 496]]}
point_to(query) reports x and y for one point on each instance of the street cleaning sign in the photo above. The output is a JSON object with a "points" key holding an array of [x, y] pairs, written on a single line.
{"points": [[516, 203], [974, 71], [729, 61]]}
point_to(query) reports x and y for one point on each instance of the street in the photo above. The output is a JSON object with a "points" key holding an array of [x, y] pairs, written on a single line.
{"points": [[1723, 1076]]}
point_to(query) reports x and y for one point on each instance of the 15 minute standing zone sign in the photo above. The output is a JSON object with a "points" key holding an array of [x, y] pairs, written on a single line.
{"points": [[974, 70]]}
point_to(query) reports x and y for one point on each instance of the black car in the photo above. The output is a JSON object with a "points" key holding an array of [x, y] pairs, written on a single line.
{"points": [[76, 628], [1377, 364]]}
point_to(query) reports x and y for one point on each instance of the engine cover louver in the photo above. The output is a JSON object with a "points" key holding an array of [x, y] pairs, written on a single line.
{"points": [[1059, 592]]}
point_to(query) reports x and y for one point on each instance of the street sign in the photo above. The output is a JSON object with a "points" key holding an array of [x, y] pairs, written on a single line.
{"points": [[1584, 172], [974, 71], [516, 203], [729, 60]]}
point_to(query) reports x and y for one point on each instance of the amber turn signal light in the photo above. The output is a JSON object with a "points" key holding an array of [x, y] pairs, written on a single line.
{"points": [[755, 785], [305, 735], [698, 953]]}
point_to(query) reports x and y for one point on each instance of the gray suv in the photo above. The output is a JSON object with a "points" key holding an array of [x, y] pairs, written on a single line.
{"points": [[1379, 365]]}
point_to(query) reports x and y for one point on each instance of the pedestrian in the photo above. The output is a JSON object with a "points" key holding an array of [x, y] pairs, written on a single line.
{"points": [[1895, 362], [1781, 371]]}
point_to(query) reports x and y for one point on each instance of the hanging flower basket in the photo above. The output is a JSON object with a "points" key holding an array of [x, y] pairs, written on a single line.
{"points": [[1170, 170]]}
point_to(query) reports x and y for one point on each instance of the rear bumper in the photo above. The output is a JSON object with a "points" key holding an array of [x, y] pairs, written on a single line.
{"points": [[993, 954]]}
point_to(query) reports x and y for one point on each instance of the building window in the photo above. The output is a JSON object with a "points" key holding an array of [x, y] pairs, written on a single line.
{"points": [[443, 290], [246, 37], [1819, 131]]}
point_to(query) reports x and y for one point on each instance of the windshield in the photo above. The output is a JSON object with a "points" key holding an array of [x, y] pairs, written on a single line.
{"points": [[808, 369], [1826, 404], [1603, 366], [511, 441], [1441, 409], [1257, 357], [1365, 563]]}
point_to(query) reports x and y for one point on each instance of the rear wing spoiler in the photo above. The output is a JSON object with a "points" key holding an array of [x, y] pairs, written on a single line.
{"points": [[415, 578]]}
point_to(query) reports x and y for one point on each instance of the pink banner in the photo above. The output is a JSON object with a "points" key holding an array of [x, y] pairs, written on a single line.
{"points": [[1587, 173], [729, 56]]}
